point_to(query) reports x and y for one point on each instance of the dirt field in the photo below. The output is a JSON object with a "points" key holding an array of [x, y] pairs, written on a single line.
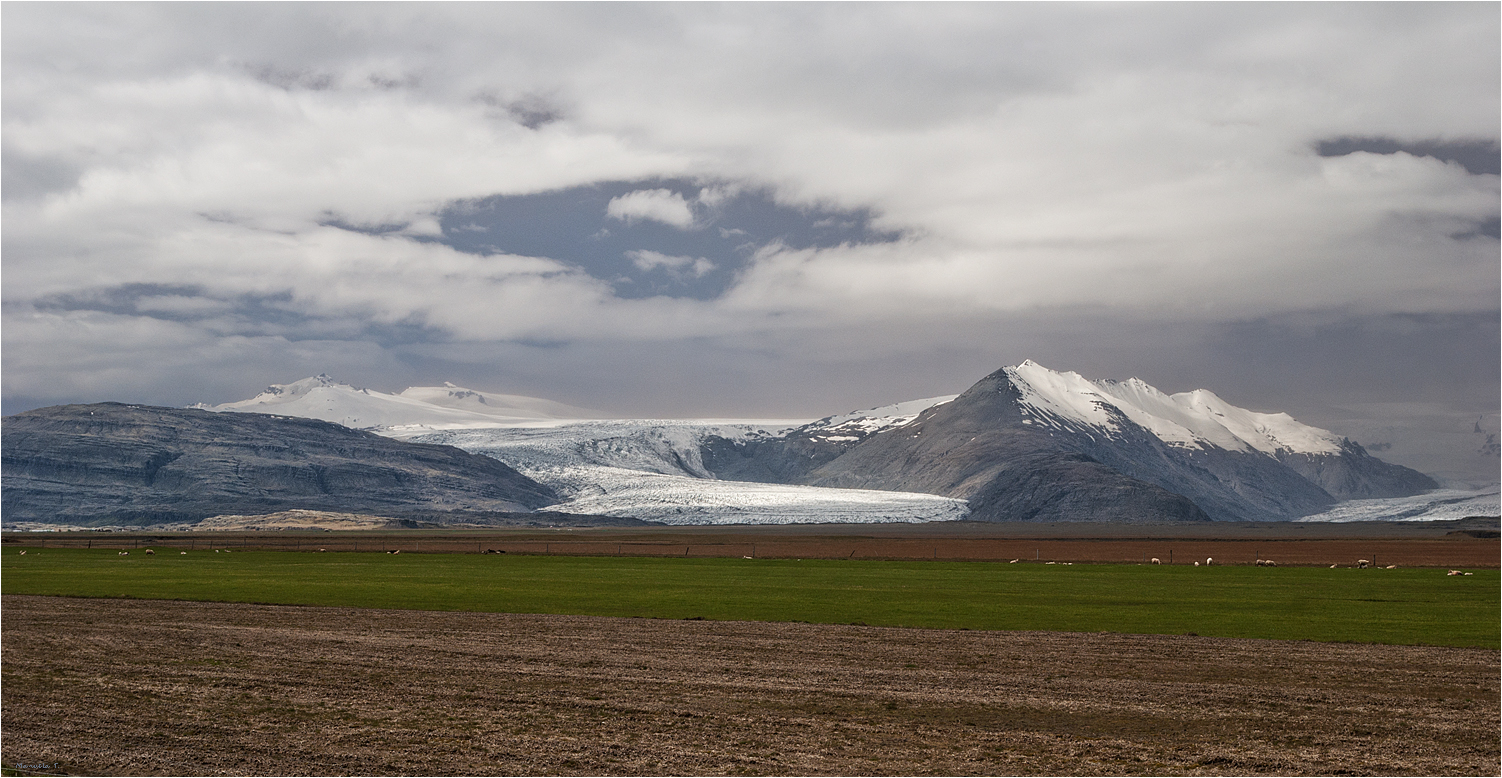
{"points": [[1407, 544], [146, 687]]}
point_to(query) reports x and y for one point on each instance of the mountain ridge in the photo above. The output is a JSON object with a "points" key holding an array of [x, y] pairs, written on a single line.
{"points": [[114, 463]]}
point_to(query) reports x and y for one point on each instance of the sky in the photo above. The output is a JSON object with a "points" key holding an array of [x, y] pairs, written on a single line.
{"points": [[761, 210]]}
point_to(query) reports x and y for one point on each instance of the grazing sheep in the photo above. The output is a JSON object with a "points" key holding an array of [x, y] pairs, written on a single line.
{"points": [[321, 550], [1013, 562], [1332, 567], [149, 552], [1363, 563], [1390, 567], [1261, 562], [1208, 560], [1196, 564], [1467, 573], [1454, 572], [23, 552], [183, 553], [124, 553], [1270, 563], [1157, 561]]}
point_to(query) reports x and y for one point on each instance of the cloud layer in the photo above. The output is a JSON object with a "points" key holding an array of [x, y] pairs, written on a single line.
{"points": [[217, 196]]}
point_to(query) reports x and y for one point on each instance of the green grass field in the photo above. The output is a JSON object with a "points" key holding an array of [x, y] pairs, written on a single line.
{"points": [[1417, 606]]}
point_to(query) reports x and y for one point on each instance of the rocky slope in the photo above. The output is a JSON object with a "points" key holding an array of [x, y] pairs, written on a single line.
{"points": [[115, 464]]}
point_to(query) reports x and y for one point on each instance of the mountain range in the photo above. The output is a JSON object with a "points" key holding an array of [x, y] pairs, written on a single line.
{"points": [[1023, 444]]}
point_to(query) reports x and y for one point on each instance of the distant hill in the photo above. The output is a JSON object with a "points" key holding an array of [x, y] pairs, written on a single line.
{"points": [[110, 463]]}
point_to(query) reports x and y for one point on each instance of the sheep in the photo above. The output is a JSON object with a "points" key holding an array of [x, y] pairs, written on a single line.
{"points": [[149, 552], [321, 550], [1454, 572], [183, 553], [1390, 567], [1196, 564], [1261, 562], [1157, 561], [124, 553], [23, 552], [1013, 562], [1270, 563], [1332, 567], [1208, 560], [1363, 563]]}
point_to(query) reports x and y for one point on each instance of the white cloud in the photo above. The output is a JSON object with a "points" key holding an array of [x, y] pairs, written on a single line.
{"points": [[694, 267], [660, 205], [1140, 162]]}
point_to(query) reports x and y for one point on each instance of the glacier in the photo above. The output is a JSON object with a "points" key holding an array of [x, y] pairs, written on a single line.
{"points": [[655, 469]]}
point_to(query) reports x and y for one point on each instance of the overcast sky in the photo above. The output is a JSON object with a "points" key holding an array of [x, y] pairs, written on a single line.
{"points": [[761, 210]]}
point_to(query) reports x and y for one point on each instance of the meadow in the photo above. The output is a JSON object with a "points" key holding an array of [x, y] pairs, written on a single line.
{"points": [[1402, 606]]}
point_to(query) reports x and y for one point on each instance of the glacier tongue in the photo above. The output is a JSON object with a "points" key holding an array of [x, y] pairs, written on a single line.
{"points": [[651, 469]]}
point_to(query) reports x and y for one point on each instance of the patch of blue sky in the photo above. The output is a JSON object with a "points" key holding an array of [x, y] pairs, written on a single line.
{"points": [[661, 237]]}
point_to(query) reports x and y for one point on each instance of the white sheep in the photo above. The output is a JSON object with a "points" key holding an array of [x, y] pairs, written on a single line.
{"points": [[1390, 567], [149, 552], [1454, 572], [1208, 560], [1013, 562], [23, 552], [1196, 564], [1157, 561], [1363, 563]]}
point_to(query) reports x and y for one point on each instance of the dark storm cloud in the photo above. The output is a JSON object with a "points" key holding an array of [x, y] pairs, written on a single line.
{"points": [[243, 315]]}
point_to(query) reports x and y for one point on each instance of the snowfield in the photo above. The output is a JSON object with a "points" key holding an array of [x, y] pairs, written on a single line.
{"points": [[651, 469]]}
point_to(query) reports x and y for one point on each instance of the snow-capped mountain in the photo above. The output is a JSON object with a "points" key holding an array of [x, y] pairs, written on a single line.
{"points": [[1024, 443], [414, 409], [1193, 420], [1027, 442]]}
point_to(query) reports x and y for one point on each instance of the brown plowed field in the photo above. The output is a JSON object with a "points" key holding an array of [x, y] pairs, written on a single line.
{"points": [[173, 688]]}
